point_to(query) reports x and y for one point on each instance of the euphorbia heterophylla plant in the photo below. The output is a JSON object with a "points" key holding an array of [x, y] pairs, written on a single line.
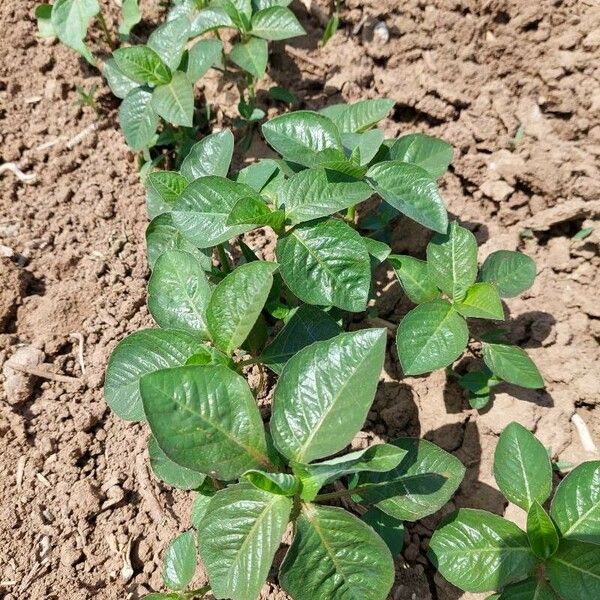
{"points": [[557, 557]]}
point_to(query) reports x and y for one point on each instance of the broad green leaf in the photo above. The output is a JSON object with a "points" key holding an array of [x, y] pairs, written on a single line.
{"points": [[359, 116], [131, 17], [522, 468], [541, 532], [479, 385], [208, 355], [427, 152], [481, 302], [179, 563], [240, 11], [530, 589], [174, 101], [310, 415], [254, 211], [336, 556], [512, 364], [411, 190], [414, 278], [169, 39], [379, 251], [236, 303], [70, 20], [307, 324], [262, 4], [202, 56], [431, 336], [276, 23], [169, 472], [238, 538], [452, 261], [43, 14], [258, 174], [205, 418], [274, 483], [576, 504], [138, 119], [178, 293], [426, 478], [478, 551], [315, 193], [202, 210], [377, 458], [142, 65], [140, 353], [120, 85], [209, 19], [363, 146], [162, 189], [390, 530], [574, 571], [325, 263], [251, 56], [511, 272], [162, 236], [300, 136], [210, 156], [199, 507]]}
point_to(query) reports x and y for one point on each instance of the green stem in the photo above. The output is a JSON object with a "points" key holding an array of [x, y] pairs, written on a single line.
{"points": [[107, 36], [335, 495], [199, 592], [225, 266], [351, 214]]}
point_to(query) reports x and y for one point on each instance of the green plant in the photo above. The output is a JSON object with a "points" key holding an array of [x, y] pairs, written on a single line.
{"points": [[88, 97], [559, 554], [333, 23]]}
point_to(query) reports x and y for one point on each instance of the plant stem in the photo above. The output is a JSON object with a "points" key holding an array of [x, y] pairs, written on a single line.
{"points": [[335, 495], [107, 36], [246, 363], [351, 214], [225, 266]]}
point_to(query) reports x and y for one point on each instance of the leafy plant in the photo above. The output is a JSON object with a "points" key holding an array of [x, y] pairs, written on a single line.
{"points": [[559, 554], [333, 23]]}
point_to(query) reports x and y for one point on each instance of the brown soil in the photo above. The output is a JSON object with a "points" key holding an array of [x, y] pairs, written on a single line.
{"points": [[78, 505]]}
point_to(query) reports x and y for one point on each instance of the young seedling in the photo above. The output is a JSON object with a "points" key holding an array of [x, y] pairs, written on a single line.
{"points": [[333, 23], [87, 97], [558, 557]]}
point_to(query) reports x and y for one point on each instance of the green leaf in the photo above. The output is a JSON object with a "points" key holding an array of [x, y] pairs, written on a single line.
{"points": [[431, 336], [511, 272], [142, 65], [522, 468], [276, 23], [162, 236], [207, 355], [262, 4], [425, 480], [282, 484], [140, 353], [310, 416], [179, 563], [325, 263], [178, 293], [315, 193], [414, 278], [530, 589], [574, 571], [162, 596], [254, 211], [162, 189], [251, 56], [70, 20], [131, 17], [481, 302], [576, 504], [427, 152], [307, 324], [258, 174], [174, 101], [336, 556], [330, 29], [512, 364], [452, 261], [379, 251], [209, 19], [479, 385], [478, 551], [210, 156], [377, 458], [411, 190], [120, 85], [169, 39], [359, 116], [301, 135], [169, 472], [138, 119], [541, 532], [390, 530], [239, 11], [199, 507], [282, 94], [43, 14], [238, 538], [205, 418], [202, 56], [236, 303], [202, 210], [363, 146]]}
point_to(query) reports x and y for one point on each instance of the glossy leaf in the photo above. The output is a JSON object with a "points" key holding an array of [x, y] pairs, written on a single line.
{"points": [[574, 571], [179, 563], [431, 336], [254, 211], [209, 19], [120, 85], [142, 65], [378, 251], [210, 156], [138, 119], [511, 272], [174, 101], [258, 174], [359, 116], [335, 555], [131, 16], [202, 56], [541, 532], [414, 278], [169, 472], [238, 538], [325, 263], [70, 20], [481, 302], [251, 56], [282, 484], [199, 507], [363, 146], [276, 23], [390, 530], [162, 189], [530, 589], [478, 551], [140, 353], [205, 418], [169, 39], [512, 364], [310, 417], [576, 504], [432, 154]]}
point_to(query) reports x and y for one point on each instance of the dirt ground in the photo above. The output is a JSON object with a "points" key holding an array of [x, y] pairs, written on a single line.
{"points": [[513, 85]]}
